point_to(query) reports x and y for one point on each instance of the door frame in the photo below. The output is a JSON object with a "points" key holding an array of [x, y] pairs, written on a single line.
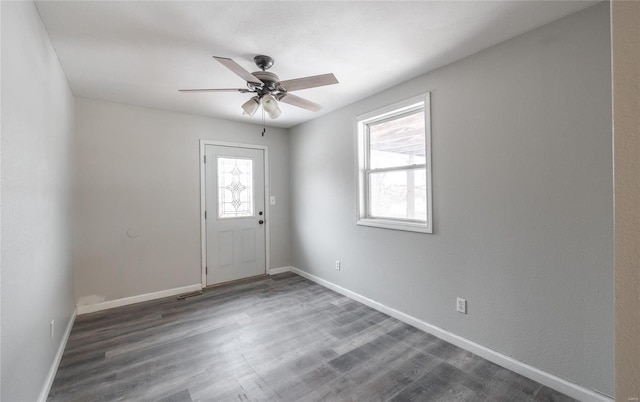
{"points": [[203, 201]]}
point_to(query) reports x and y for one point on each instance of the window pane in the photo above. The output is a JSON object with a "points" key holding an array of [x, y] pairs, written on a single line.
{"points": [[398, 194], [235, 187], [397, 142]]}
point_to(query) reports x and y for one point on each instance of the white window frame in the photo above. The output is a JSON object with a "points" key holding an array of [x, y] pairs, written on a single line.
{"points": [[362, 147]]}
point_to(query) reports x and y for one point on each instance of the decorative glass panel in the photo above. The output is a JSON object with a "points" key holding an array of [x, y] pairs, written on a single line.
{"points": [[235, 187], [399, 194]]}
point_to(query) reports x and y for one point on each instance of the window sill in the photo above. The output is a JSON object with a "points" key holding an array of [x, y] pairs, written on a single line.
{"points": [[396, 225]]}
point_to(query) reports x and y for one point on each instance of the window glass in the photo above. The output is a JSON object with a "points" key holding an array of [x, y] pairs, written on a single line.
{"points": [[398, 141], [235, 187], [398, 194]]}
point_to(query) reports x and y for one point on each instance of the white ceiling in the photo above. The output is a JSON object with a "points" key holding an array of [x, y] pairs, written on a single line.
{"points": [[141, 53]]}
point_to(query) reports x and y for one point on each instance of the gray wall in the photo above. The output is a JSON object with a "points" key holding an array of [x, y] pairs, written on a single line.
{"points": [[138, 169], [522, 193], [36, 183]]}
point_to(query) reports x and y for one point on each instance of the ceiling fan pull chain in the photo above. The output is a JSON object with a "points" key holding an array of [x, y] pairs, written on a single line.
{"points": [[264, 129]]}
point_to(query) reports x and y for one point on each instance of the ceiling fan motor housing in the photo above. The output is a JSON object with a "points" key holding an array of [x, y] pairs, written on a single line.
{"points": [[269, 79]]}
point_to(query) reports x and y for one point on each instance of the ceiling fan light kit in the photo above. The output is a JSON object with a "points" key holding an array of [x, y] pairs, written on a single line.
{"points": [[270, 105], [251, 106], [268, 88]]}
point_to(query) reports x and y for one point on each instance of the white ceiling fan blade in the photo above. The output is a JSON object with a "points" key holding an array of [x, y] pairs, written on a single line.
{"points": [[242, 90], [299, 102], [309, 82], [238, 70]]}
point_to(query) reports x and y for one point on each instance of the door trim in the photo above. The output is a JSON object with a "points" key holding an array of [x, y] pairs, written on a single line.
{"points": [[203, 204]]}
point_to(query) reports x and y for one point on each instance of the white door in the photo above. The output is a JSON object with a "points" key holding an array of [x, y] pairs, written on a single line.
{"points": [[235, 215]]}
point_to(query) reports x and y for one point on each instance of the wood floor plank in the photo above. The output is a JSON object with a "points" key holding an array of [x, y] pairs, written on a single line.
{"points": [[274, 338]]}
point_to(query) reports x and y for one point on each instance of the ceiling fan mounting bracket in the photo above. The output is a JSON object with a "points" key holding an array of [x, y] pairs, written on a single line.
{"points": [[263, 62]]}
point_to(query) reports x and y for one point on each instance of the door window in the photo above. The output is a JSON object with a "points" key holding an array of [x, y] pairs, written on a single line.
{"points": [[235, 187]]}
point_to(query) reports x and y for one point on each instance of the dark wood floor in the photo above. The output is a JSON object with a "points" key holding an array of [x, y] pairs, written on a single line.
{"points": [[278, 338]]}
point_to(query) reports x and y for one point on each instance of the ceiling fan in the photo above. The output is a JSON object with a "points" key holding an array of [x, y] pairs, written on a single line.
{"points": [[268, 88]]}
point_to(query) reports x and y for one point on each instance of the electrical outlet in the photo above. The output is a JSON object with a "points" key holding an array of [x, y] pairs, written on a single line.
{"points": [[337, 265], [52, 328], [461, 305]]}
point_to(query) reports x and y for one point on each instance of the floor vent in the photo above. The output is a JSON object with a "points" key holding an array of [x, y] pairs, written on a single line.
{"points": [[188, 295]]}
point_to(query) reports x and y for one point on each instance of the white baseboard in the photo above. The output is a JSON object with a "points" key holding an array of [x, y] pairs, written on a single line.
{"points": [[91, 308], [280, 270], [550, 380], [48, 382]]}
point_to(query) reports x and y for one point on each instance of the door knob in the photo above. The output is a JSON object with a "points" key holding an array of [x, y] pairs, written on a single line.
{"points": [[261, 221]]}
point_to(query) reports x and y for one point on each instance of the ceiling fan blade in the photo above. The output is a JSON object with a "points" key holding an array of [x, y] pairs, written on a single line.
{"points": [[238, 70], [299, 102], [243, 90], [309, 82]]}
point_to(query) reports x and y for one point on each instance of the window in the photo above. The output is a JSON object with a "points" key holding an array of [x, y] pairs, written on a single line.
{"points": [[394, 166], [235, 187]]}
